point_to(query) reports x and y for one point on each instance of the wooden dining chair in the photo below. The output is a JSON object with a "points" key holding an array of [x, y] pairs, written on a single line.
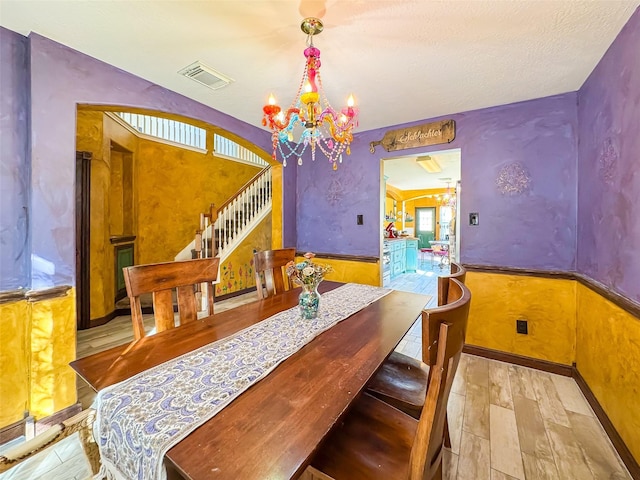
{"points": [[402, 380], [271, 277], [375, 440], [81, 423], [161, 279], [459, 273]]}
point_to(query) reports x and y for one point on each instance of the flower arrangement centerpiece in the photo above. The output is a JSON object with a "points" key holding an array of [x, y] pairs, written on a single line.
{"points": [[308, 275]]}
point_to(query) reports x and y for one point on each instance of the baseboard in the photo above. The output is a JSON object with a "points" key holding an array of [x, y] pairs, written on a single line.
{"points": [[59, 416], [227, 296], [13, 431], [119, 312], [618, 443], [568, 371], [543, 365], [96, 322]]}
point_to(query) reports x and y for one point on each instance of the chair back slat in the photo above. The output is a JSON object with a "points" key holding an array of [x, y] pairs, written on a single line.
{"points": [[163, 310], [161, 279], [458, 272], [448, 326], [271, 277], [187, 304], [432, 318], [426, 453]]}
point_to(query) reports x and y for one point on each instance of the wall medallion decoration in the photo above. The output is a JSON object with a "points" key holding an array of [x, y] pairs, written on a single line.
{"points": [[608, 161], [335, 192], [513, 179]]}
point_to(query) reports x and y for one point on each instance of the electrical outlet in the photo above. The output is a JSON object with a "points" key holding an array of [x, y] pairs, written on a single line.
{"points": [[522, 327], [360, 220]]}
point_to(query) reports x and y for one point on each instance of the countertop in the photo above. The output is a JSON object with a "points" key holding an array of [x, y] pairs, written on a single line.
{"points": [[400, 238]]}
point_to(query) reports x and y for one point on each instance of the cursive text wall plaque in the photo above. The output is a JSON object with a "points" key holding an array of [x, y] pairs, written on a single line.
{"points": [[419, 136]]}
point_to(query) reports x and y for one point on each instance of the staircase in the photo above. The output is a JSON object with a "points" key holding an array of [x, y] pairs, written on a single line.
{"points": [[223, 229]]}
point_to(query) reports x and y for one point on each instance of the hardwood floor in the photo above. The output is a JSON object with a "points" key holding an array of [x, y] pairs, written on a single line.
{"points": [[510, 422], [506, 422]]}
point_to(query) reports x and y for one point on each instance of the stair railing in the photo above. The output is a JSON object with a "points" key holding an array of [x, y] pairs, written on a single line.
{"points": [[202, 247], [236, 214], [222, 229]]}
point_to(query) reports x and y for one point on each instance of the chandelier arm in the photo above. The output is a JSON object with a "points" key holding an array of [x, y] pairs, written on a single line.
{"points": [[340, 132]]}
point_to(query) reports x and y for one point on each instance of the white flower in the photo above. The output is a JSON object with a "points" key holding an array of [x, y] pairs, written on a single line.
{"points": [[308, 271]]}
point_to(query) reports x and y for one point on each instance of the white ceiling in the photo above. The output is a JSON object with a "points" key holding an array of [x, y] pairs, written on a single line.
{"points": [[404, 173], [404, 60]]}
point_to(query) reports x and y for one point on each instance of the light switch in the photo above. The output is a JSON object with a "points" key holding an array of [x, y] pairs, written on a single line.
{"points": [[474, 218], [360, 220]]}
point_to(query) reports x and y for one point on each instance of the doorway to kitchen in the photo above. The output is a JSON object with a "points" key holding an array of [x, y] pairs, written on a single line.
{"points": [[419, 209]]}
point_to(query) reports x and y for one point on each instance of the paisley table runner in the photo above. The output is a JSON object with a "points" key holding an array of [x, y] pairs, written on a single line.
{"points": [[140, 419]]}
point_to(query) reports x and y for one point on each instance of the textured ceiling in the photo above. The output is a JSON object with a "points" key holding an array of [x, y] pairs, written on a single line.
{"points": [[404, 173], [404, 60]]}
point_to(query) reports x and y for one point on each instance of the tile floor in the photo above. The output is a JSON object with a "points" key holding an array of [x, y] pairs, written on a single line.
{"points": [[506, 422], [510, 422]]}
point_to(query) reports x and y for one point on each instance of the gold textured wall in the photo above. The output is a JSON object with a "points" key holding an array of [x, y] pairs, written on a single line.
{"points": [[95, 133], [608, 358], [171, 187], [53, 347], [236, 272], [175, 185], [276, 206], [411, 203], [89, 137], [14, 361], [350, 271], [549, 305], [37, 342]]}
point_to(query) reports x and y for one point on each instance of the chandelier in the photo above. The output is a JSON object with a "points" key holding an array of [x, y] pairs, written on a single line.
{"points": [[310, 118], [448, 199]]}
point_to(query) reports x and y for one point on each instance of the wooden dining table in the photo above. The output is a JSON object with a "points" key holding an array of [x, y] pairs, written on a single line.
{"points": [[272, 430]]}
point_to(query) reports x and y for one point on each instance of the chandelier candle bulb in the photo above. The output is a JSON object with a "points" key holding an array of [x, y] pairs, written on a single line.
{"points": [[350, 101]]}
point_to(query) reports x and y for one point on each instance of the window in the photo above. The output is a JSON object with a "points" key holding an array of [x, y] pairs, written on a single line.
{"points": [[425, 220], [171, 130]]}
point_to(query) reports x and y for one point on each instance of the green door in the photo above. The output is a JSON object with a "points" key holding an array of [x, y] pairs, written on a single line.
{"points": [[425, 226], [124, 258]]}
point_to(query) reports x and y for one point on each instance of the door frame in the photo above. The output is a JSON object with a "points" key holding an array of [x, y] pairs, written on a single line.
{"points": [[83, 230]]}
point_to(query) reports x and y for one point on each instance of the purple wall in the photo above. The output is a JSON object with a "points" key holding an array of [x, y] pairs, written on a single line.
{"points": [[14, 171], [519, 169], [609, 167], [518, 173], [289, 207], [61, 78]]}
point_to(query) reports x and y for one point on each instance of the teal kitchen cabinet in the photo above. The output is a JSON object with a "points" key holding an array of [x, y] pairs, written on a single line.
{"points": [[411, 255]]}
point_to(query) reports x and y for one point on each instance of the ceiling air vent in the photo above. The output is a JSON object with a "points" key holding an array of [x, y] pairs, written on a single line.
{"points": [[205, 75]]}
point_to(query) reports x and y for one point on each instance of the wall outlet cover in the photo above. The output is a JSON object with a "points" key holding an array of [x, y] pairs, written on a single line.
{"points": [[522, 327]]}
